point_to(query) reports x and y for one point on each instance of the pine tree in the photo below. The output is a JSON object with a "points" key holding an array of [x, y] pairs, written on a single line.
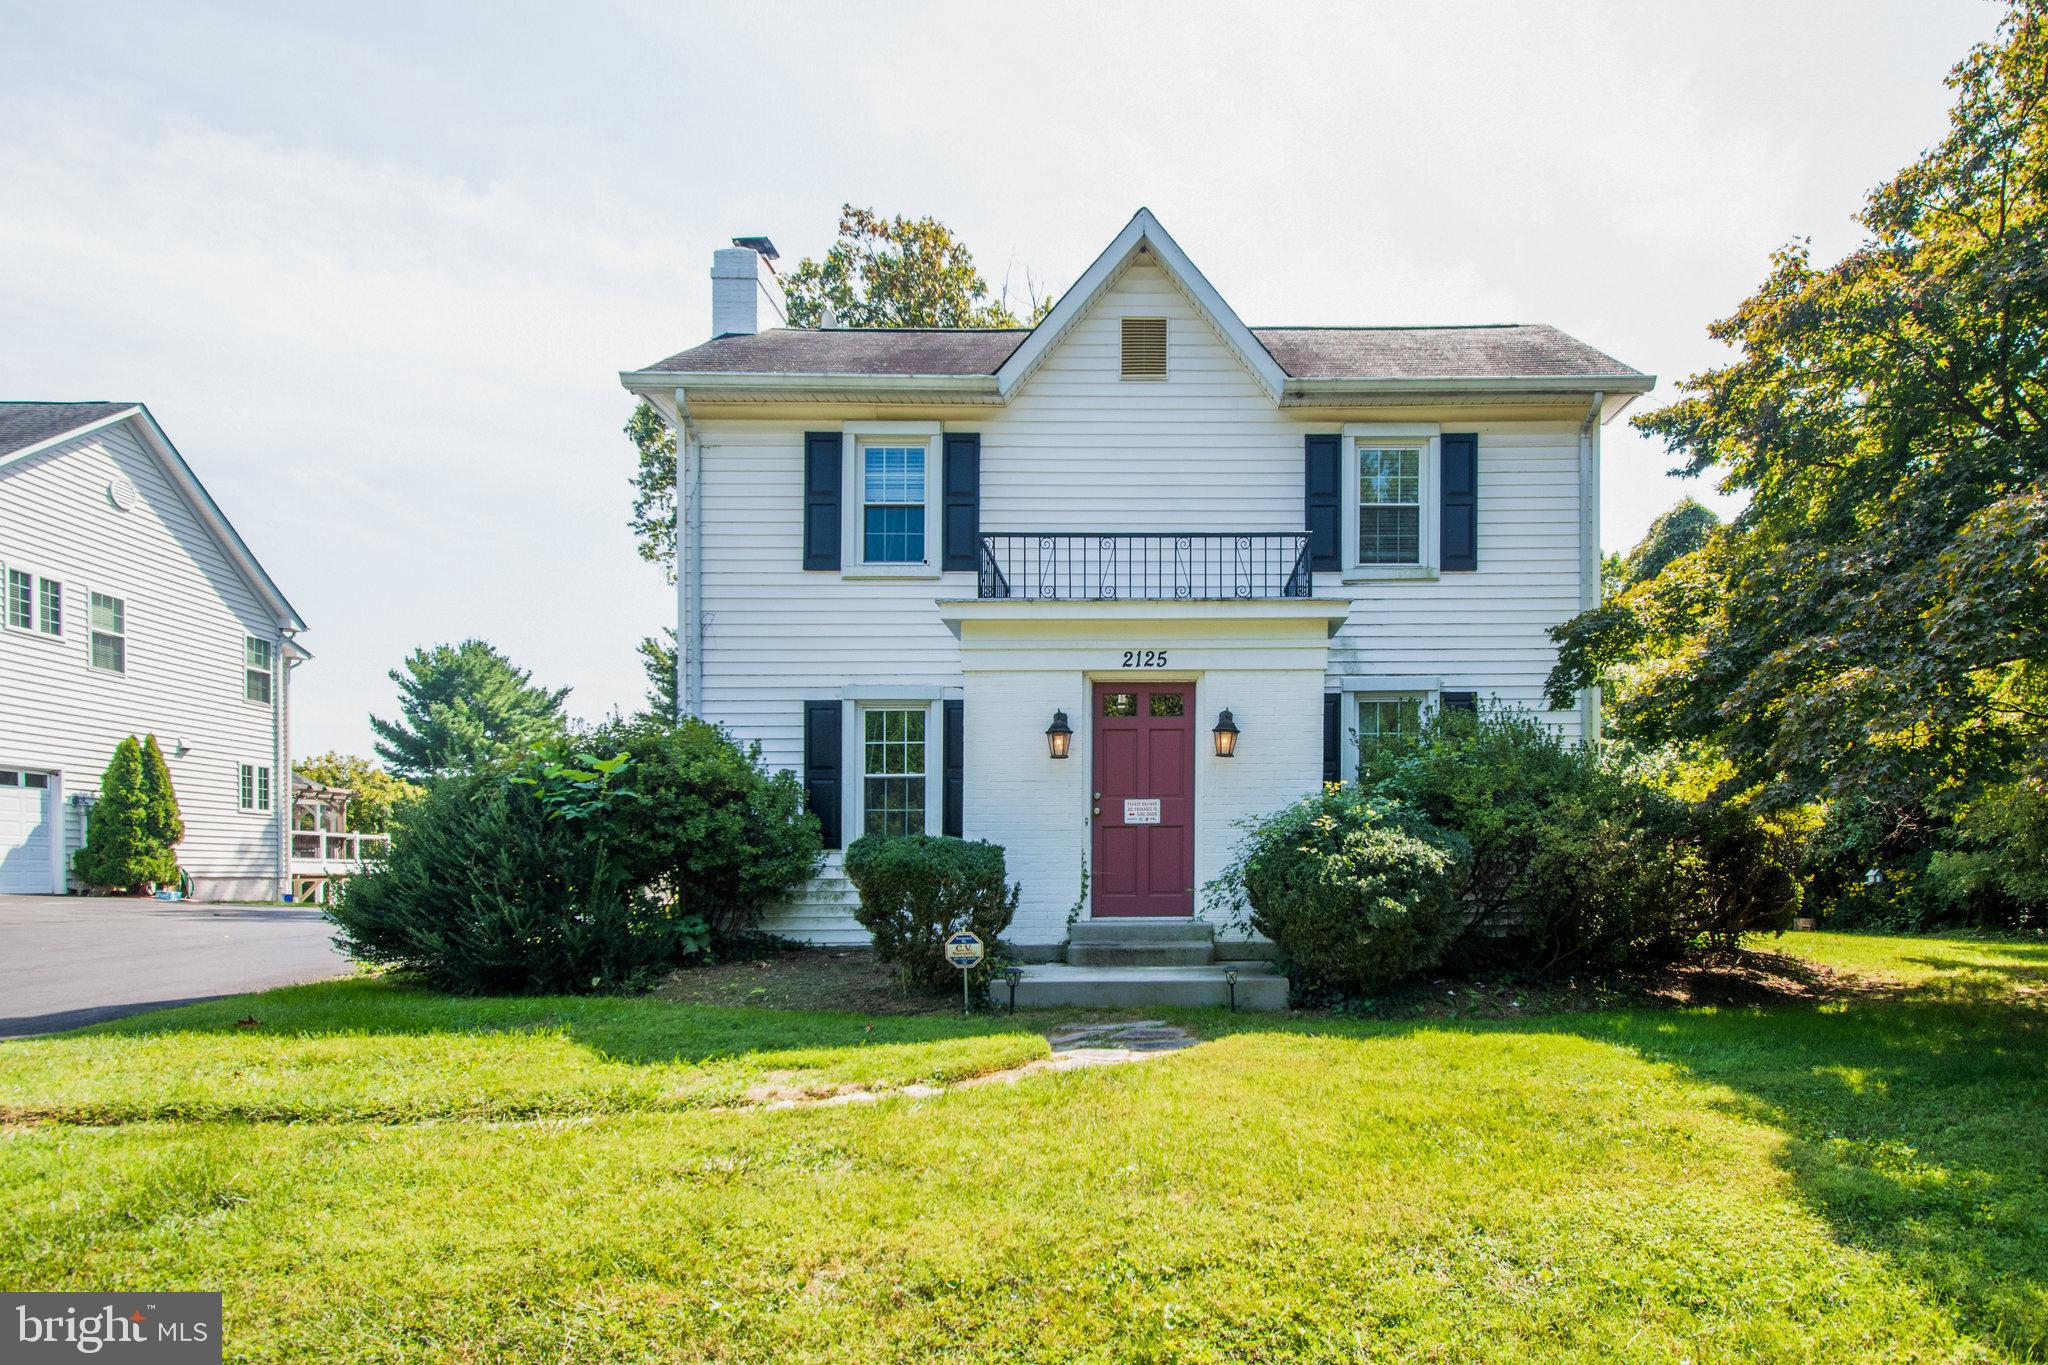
{"points": [[165, 823], [463, 707], [119, 851]]}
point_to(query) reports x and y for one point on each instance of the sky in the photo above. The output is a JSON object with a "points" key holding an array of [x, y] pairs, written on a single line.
{"points": [[376, 267]]}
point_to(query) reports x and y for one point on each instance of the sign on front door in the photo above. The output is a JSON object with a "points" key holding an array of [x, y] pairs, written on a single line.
{"points": [[1144, 808]]}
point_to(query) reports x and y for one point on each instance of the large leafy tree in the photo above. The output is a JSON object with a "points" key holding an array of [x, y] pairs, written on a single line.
{"points": [[879, 272], [374, 795], [1875, 622], [463, 707]]}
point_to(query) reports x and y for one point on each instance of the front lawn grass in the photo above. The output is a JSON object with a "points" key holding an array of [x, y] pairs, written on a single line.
{"points": [[367, 1049], [1862, 1179]]}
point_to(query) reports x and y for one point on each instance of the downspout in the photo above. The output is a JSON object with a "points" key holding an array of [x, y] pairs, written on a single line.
{"points": [[281, 771], [1589, 548], [689, 564]]}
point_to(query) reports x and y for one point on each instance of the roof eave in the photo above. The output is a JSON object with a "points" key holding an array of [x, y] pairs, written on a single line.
{"points": [[711, 381]]}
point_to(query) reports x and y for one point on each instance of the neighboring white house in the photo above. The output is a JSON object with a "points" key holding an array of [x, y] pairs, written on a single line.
{"points": [[907, 556], [132, 607]]}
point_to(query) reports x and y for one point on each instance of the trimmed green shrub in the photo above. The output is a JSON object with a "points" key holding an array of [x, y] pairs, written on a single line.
{"points": [[916, 890], [1356, 891], [161, 818], [510, 883], [713, 826], [121, 850]]}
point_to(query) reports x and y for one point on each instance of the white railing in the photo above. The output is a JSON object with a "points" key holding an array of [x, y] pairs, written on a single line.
{"points": [[322, 846]]}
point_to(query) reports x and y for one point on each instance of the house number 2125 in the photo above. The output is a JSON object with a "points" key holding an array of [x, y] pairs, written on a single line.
{"points": [[1144, 658]]}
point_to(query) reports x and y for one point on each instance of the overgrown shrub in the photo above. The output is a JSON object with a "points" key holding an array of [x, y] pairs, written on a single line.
{"points": [[510, 882], [713, 826], [1578, 860], [1995, 875], [1355, 890], [1493, 779], [916, 890], [124, 845]]}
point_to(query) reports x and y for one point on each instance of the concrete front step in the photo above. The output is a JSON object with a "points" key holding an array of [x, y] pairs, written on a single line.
{"points": [[1141, 931], [1141, 954], [1056, 983]]}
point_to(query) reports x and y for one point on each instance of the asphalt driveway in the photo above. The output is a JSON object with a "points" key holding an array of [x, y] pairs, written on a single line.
{"points": [[71, 960]]}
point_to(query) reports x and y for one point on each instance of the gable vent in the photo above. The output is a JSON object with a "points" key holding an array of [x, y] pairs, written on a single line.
{"points": [[1144, 348]]}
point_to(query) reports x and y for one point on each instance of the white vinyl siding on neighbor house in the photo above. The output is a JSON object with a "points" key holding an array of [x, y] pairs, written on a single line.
{"points": [[1079, 449], [186, 615]]}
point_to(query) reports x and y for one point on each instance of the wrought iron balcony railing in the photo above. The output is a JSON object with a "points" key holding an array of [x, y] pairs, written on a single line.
{"points": [[1182, 566]]}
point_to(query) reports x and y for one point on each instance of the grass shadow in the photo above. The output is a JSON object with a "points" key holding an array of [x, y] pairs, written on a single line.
{"points": [[1915, 1123]]}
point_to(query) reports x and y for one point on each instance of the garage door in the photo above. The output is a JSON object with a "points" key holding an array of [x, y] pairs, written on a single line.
{"points": [[27, 825]]}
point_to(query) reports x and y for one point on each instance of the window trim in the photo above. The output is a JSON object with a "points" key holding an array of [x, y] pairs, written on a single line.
{"points": [[1425, 437], [853, 752], [92, 630], [1356, 690], [853, 497], [38, 583], [249, 787], [249, 671]]}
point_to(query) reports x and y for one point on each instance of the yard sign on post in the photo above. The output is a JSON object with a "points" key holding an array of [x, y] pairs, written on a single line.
{"points": [[964, 951]]}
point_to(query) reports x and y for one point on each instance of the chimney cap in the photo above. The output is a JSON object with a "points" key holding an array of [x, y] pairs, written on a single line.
{"points": [[760, 244]]}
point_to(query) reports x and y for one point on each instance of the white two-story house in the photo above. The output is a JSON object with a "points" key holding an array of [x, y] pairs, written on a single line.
{"points": [[1099, 589], [129, 606]]}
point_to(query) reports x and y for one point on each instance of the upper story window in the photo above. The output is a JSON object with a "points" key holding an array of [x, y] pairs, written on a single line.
{"points": [[1389, 504], [21, 599], [892, 797], [109, 633], [893, 500], [34, 603], [257, 668]]}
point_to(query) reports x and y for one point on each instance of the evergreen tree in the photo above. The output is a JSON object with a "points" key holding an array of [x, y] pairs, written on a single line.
{"points": [[119, 851], [464, 707], [165, 823]]}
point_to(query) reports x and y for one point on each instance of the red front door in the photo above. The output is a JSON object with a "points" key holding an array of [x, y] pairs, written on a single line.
{"points": [[1144, 799]]}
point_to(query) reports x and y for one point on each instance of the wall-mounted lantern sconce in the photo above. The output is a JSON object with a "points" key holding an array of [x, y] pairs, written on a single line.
{"points": [[1059, 736], [1226, 735]]}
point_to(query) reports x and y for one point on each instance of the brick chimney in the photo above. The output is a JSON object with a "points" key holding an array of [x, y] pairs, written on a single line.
{"points": [[742, 281]]}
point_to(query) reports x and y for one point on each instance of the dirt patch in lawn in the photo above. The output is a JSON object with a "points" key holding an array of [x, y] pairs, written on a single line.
{"points": [[849, 980], [1075, 1047]]}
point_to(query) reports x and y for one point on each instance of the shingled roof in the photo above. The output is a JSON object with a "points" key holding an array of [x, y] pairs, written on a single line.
{"points": [[1493, 351], [25, 424]]}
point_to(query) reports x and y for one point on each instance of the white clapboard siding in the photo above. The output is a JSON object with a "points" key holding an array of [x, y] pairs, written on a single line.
{"points": [[1078, 448], [188, 610]]}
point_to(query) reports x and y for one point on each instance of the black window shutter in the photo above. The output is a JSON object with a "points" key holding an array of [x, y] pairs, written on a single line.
{"points": [[962, 509], [954, 740], [821, 499], [1460, 543], [1333, 736], [821, 767], [1459, 701], [1322, 505]]}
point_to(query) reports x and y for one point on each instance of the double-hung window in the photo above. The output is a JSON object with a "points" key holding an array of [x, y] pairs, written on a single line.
{"points": [[1388, 720], [109, 633], [892, 478], [52, 622], [1389, 503], [257, 669], [893, 750], [255, 787]]}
